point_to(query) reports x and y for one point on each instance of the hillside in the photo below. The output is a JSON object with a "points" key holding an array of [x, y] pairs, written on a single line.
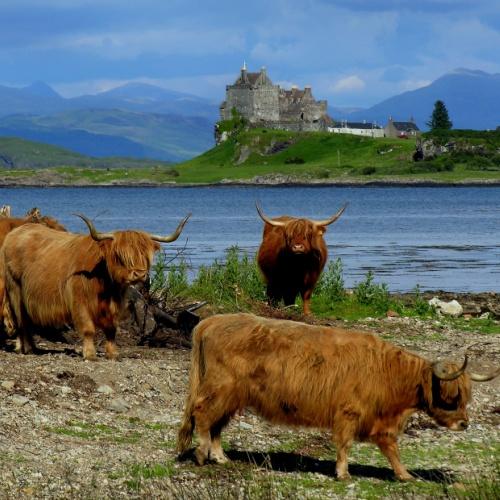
{"points": [[281, 156], [17, 154], [269, 157]]}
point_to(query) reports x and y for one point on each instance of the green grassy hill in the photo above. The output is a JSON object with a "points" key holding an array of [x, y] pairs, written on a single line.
{"points": [[325, 156], [258, 155], [16, 153]]}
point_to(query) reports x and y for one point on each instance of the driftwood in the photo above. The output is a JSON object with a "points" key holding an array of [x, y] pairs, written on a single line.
{"points": [[157, 326]]}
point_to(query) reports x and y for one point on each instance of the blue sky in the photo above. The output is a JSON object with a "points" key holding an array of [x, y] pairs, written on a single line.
{"points": [[352, 52]]}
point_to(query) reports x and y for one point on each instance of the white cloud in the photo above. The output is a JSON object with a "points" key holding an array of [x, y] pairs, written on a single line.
{"points": [[351, 83]]}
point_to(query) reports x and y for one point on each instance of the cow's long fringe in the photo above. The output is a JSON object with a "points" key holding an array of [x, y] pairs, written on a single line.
{"points": [[185, 435]]}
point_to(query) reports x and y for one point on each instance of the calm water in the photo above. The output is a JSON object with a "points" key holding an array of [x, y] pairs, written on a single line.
{"points": [[439, 238]]}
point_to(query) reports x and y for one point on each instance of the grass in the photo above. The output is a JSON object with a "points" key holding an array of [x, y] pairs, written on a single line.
{"points": [[305, 156]]}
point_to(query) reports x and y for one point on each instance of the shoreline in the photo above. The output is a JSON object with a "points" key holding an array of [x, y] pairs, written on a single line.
{"points": [[254, 183]]}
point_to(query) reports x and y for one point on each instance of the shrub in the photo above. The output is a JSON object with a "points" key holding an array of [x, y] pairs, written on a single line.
{"points": [[294, 160], [370, 293], [230, 282], [368, 170], [331, 284]]}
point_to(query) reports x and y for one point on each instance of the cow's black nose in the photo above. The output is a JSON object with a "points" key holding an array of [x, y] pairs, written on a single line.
{"points": [[463, 424]]}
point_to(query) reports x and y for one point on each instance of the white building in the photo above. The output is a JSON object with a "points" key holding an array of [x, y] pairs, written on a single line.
{"points": [[357, 128]]}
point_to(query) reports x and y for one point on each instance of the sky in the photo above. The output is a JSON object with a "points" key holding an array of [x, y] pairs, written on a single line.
{"points": [[354, 53]]}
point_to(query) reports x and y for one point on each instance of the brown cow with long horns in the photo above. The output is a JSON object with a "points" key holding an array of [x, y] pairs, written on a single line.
{"points": [[351, 383], [292, 256], [54, 278]]}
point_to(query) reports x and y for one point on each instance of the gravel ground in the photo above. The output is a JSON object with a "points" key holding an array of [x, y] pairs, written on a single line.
{"points": [[76, 429]]}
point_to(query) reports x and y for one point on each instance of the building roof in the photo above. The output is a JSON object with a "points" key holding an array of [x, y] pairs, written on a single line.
{"points": [[404, 126]]}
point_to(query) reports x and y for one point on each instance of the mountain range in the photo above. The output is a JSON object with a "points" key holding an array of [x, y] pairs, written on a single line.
{"points": [[145, 121], [471, 97]]}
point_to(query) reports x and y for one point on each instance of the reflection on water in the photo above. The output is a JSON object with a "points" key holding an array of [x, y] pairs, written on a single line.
{"points": [[439, 238]]}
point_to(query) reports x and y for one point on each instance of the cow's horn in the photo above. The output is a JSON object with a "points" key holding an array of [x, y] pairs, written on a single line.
{"points": [[267, 220], [93, 232], [439, 371], [331, 220], [484, 378], [174, 235]]}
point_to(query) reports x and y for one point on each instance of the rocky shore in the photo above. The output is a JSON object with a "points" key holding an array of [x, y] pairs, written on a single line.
{"points": [[75, 429]]}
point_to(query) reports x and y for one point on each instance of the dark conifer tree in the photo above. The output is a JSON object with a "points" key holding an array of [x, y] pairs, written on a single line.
{"points": [[440, 119]]}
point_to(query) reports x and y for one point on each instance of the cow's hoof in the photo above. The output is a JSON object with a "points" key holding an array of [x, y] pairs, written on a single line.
{"points": [[344, 476], [405, 477], [219, 458], [200, 457]]}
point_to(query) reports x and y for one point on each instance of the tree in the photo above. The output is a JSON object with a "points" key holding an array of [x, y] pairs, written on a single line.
{"points": [[440, 119]]}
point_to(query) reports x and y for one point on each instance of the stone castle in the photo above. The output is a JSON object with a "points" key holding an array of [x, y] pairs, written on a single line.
{"points": [[263, 104]]}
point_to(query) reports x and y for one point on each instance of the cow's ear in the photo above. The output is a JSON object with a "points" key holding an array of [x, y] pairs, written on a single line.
{"points": [[156, 246], [321, 230]]}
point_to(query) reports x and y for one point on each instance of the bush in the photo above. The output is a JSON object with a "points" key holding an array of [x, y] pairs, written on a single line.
{"points": [[294, 160], [169, 281], [368, 170], [231, 282], [369, 293], [331, 284]]}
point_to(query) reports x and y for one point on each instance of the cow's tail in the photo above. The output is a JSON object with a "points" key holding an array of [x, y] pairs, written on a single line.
{"points": [[185, 434]]}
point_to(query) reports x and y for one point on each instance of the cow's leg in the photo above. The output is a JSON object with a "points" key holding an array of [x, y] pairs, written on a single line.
{"points": [[212, 412], [216, 451], [306, 300], [16, 319], [343, 437], [85, 327], [274, 294], [111, 350], [389, 447]]}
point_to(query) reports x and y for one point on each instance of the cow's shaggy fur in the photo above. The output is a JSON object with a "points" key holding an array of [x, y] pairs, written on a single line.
{"points": [[291, 259], [356, 385], [54, 278]]}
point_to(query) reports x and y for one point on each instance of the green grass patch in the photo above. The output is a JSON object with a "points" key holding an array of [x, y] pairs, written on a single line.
{"points": [[96, 432]]}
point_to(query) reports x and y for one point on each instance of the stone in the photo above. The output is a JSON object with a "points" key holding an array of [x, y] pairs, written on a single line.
{"points": [[452, 308], [118, 405], [8, 385], [20, 400], [244, 425], [105, 389]]}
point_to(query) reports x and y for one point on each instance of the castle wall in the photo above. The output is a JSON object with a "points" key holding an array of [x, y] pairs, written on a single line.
{"points": [[240, 98], [266, 104]]}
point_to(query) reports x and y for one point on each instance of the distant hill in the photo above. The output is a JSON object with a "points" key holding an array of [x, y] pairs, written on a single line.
{"points": [[102, 132], [137, 120], [471, 97], [18, 153]]}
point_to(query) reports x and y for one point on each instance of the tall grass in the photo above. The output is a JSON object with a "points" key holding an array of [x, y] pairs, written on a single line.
{"points": [[235, 283]]}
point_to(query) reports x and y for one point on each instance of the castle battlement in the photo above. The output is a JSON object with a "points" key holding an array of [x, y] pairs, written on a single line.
{"points": [[263, 104]]}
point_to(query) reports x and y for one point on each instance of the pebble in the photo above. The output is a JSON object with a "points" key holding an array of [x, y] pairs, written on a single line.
{"points": [[119, 405], [244, 425], [105, 389], [65, 390], [8, 385], [20, 400]]}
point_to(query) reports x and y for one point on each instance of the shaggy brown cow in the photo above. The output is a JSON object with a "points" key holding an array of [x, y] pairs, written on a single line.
{"points": [[292, 256], [354, 384], [54, 278], [7, 224]]}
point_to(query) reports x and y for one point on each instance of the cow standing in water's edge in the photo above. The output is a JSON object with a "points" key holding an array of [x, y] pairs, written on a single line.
{"points": [[292, 256]]}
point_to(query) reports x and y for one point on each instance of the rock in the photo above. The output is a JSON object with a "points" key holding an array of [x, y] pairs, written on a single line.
{"points": [[8, 385], [20, 400], [105, 389], [452, 308], [244, 425], [65, 390], [485, 315], [119, 405]]}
